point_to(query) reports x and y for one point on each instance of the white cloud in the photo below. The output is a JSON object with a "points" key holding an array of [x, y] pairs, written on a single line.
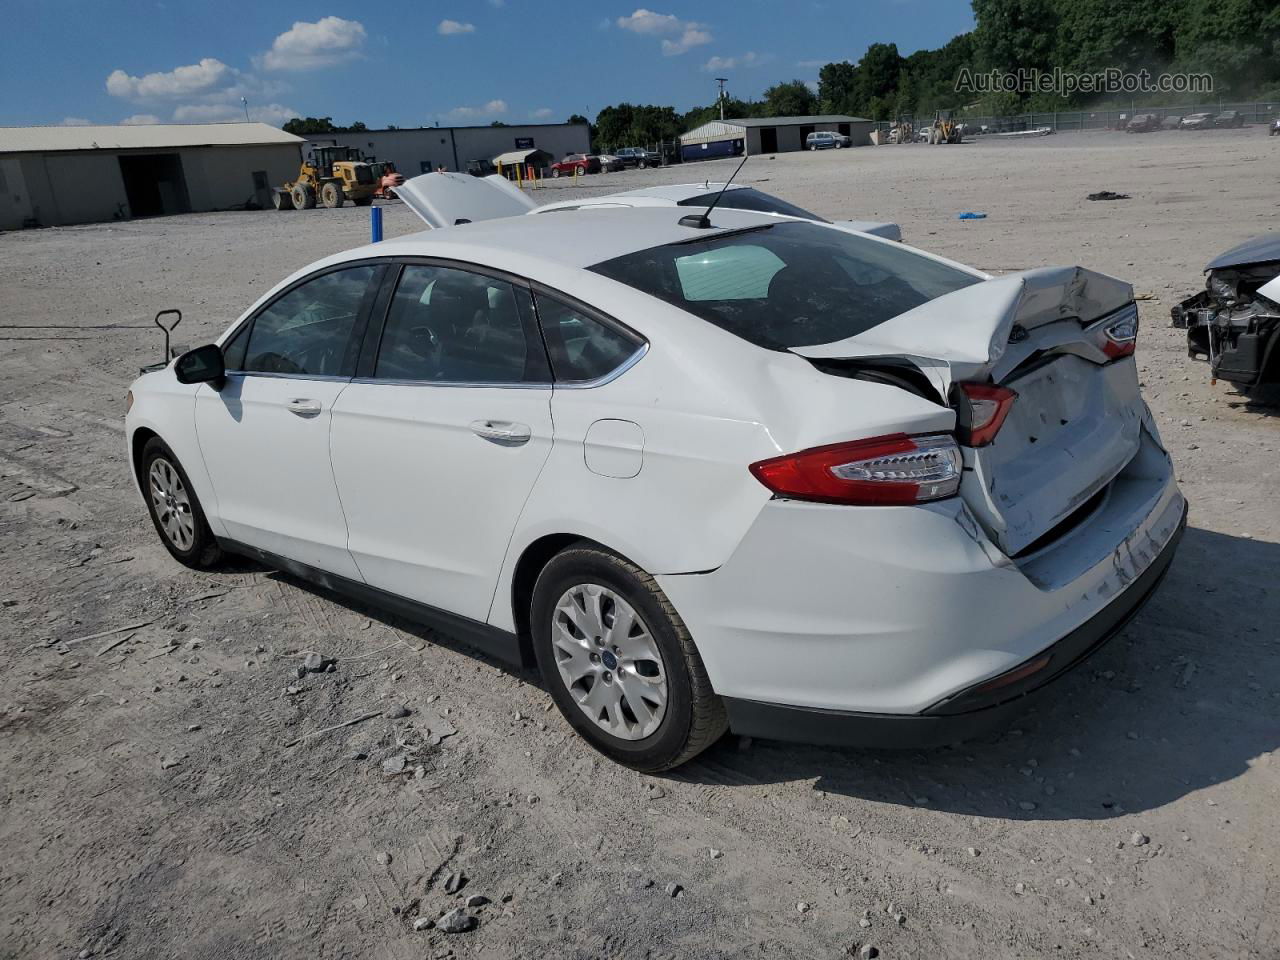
{"points": [[140, 119], [272, 113], [678, 36], [208, 74], [75, 122], [449, 28], [748, 59], [491, 109], [309, 46], [541, 113]]}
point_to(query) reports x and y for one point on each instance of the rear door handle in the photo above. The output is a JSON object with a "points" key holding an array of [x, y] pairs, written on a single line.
{"points": [[502, 432], [303, 407]]}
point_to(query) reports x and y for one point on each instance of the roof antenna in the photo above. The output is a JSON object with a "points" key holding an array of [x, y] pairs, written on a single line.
{"points": [[702, 221]]}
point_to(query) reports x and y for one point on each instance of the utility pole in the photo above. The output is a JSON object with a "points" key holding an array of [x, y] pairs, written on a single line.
{"points": [[722, 81], [245, 103]]}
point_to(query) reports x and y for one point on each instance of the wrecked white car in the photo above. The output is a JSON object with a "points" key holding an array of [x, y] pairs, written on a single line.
{"points": [[1234, 323], [709, 470]]}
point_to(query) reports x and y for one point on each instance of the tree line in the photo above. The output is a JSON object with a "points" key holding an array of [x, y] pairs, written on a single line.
{"points": [[1237, 42]]}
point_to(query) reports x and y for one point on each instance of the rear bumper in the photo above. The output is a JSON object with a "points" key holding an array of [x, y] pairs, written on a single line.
{"points": [[969, 713]]}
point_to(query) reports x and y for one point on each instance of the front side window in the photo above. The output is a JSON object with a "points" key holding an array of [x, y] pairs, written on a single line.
{"points": [[307, 331], [789, 284], [451, 326], [582, 347]]}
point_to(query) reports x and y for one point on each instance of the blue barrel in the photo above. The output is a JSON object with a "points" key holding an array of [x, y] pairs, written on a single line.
{"points": [[375, 223]]}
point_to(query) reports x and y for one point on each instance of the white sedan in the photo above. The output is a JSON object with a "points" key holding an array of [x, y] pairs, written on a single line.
{"points": [[755, 474], [738, 197]]}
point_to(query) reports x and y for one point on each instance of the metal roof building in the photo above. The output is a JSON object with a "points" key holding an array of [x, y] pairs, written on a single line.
{"points": [[755, 135], [460, 149], [53, 176]]}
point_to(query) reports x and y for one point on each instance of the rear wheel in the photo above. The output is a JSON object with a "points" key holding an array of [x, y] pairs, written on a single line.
{"points": [[331, 195], [555, 173], [620, 662], [304, 197], [174, 508], [282, 199]]}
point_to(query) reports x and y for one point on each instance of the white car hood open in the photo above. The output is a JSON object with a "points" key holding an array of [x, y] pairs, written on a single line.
{"points": [[447, 199], [966, 334]]}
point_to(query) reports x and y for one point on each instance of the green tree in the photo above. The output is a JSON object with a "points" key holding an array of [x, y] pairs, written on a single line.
{"points": [[790, 99]]}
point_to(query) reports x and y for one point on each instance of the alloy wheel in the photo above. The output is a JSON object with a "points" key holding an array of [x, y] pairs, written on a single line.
{"points": [[172, 504], [609, 661]]}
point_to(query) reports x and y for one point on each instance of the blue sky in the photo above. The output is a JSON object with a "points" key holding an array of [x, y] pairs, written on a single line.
{"points": [[411, 64]]}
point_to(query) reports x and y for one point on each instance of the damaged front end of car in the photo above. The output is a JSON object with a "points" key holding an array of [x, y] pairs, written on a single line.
{"points": [[1234, 323]]}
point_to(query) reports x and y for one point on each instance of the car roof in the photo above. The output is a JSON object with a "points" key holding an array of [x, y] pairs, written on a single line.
{"points": [[573, 238], [670, 193]]}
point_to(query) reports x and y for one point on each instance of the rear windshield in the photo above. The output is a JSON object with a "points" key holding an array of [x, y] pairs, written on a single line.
{"points": [[788, 284], [748, 198]]}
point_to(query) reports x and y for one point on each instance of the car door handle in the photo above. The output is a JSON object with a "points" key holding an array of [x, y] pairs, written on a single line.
{"points": [[502, 432], [303, 407]]}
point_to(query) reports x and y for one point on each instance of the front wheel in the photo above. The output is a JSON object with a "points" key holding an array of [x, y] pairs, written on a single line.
{"points": [[620, 663], [555, 173], [174, 508]]}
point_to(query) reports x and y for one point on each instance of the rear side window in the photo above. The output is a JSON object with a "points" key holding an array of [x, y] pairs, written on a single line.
{"points": [[453, 326], [307, 331], [789, 284], [749, 198], [583, 348]]}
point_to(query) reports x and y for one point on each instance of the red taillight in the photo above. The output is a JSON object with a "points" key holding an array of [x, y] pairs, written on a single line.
{"points": [[893, 470], [981, 409], [1119, 333]]}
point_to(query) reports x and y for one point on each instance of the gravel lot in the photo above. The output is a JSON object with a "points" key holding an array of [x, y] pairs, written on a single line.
{"points": [[152, 805]]}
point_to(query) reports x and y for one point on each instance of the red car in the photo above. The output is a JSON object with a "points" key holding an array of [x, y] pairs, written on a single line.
{"points": [[575, 163]]}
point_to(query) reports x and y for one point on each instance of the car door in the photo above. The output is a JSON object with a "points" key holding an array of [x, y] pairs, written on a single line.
{"points": [[265, 434], [438, 441]]}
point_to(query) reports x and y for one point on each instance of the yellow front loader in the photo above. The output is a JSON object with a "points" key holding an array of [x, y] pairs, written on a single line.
{"points": [[330, 176]]}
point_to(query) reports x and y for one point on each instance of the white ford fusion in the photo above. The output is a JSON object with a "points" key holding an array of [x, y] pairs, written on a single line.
{"points": [[736, 472]]}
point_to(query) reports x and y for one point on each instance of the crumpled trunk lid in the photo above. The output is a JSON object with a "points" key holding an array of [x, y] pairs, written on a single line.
{"points": [[1077, 420]]}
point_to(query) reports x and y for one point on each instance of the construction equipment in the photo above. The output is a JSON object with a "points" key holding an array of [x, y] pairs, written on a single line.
{"points": [[331, 175], [902, 131], [385, 178], [944, 129]]}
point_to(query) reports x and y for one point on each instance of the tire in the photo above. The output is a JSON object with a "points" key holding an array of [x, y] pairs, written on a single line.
{"points": [[331, 195], [182, 526], [643, 164], [363, 201], [582, 171], [304, 197], [282, 200], [646, 737], [555, 173]]}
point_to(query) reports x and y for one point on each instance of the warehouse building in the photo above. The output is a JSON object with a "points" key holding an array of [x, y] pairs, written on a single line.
{"points": [[52, 176], [756, 135], [460, 149]]}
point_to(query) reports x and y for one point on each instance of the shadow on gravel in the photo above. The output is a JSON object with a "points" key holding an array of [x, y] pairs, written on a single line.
{"points": [[1188, 695]]}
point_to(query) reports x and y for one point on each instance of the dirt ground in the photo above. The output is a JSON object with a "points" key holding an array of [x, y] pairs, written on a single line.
{"points": [[154, 802]]}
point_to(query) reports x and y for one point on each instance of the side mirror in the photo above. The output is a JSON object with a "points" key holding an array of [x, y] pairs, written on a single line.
{"points": [[201, 365]]}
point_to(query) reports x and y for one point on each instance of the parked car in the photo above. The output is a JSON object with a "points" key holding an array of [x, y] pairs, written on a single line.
{"points": [[1196, 121], [825, 140], [738, 197], [638, 157], [1275, 128], [572, 163], [1143, 123], [1170, 123], [610, 164], [1229, 118], [735, 477], [1234, 322]]}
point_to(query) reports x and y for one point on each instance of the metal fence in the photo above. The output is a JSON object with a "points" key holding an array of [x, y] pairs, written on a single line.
{"points": [[1099, 119]]}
